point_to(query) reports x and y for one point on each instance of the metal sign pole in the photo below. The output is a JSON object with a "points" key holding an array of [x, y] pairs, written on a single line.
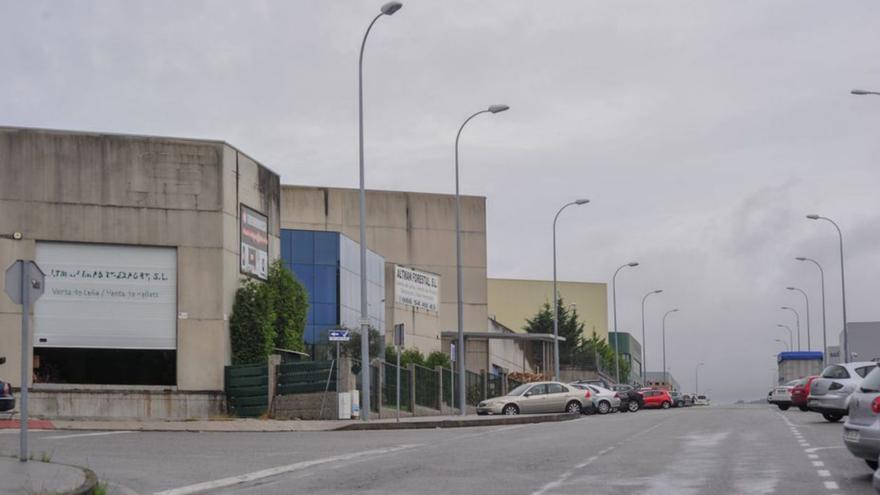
{"points": [[398, 384], [25, 334]]}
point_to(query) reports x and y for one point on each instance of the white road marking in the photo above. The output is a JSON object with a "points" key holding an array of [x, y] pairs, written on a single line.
{"points": [[80, 435], [818, 463], [814, 449], [831, 485], [813, 456], [266, 473], [824, 473]]}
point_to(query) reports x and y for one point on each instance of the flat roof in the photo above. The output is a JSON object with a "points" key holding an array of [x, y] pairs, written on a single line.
{"points": [[505, 336]]}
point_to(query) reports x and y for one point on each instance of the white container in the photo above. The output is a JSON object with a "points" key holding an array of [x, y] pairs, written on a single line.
{"points": [[344, 405]]}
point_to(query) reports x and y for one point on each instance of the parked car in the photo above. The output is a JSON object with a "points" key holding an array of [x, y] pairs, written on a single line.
{"points": [[630, 399], [829, 394], [688, 400], [657, 398], [538, 397], [801, 391], [7, 400], [677, 399], [701, 400], [780, 396], [861, 432], [594, 381], [603, 400]]}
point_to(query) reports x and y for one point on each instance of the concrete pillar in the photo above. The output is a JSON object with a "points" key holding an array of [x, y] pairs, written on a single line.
{"points": [[485, 381], [272, 365]]}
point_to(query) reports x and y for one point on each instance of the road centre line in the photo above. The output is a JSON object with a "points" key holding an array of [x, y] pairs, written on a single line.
{"points": [[266, 473], [80, 435], [831, 485]]}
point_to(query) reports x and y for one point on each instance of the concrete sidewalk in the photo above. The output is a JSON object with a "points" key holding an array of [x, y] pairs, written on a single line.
{"points": [[45, 477], [269, 425]]}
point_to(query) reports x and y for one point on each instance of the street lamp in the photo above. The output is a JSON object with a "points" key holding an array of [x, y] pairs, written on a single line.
{"points": [[577, 202], [797, 319], [665, 374], [697, 377], [644, 366], [388, 9], [822, 284], [460, 285], [862, 92], [790, 337], [842, 283], [631, 264], [807, 301], [783, 343]]}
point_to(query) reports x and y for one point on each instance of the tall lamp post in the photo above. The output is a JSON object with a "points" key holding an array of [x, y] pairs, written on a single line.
{"points": [[577, 202], [842, 280], [822, 284], [790, 335], [388, 9], [807, 302], [460, 284], [665, 374], [862, 92], [797, 320], [697, 377], [644, 343], [631, 264]]}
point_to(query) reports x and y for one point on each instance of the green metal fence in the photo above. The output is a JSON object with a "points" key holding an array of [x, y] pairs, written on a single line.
{"points": [[304, 377], [475, 390], [389, 387], [427, 387], [494, 385], [247, 389], [450, 384]]}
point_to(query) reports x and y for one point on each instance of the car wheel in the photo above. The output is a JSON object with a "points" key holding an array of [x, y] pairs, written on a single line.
{"points": [[510, 410], [803, 408], [573, 407], [604, 407], [633, 406], [783, 407], [665, 405], [871, 463], [832, 417]]}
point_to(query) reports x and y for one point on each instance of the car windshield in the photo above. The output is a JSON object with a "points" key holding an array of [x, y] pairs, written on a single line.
{"points": [[519, 390]]}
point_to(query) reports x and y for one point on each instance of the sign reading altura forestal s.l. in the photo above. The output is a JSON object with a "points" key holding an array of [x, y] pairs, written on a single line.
{"points": [[416, 288], [254, 243]]}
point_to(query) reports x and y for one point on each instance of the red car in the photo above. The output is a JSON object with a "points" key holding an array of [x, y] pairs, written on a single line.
{"points": [[801, 391], [657, 398]]}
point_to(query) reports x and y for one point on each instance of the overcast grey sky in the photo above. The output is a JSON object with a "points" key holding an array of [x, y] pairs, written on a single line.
{"points": [[703, 131]]}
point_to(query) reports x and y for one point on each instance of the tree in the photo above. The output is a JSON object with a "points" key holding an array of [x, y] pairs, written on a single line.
{"points": [[438, 358], [407, 357], [569, 328], [352, 348], [291, 305], [251, 326]]}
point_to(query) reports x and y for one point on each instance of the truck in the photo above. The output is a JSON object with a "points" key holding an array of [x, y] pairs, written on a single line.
{"points": [[798, 364]]}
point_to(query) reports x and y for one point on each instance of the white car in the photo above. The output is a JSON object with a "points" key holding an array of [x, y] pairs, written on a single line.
{"points": [[829, 394], [781, 395], [701, 400], [604, 400]]}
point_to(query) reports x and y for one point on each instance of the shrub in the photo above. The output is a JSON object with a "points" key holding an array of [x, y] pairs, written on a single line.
{"points": [[251, 326], [290, 304]]}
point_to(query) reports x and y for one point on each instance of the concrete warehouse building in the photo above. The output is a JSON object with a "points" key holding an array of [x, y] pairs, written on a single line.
{"points": [[144, 241]]}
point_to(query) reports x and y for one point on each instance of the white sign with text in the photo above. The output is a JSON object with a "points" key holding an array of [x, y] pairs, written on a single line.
{"points": [[105, 296], [416, 288]]}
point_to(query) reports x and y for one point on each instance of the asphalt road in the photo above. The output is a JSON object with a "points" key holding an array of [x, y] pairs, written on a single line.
{"points": [[717, 449]]}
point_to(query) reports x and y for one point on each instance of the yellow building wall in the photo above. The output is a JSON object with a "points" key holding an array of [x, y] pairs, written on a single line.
{"points": [[512, 301]]}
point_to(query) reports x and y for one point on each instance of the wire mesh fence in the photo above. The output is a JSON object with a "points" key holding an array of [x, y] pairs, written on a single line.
{"points": [[475, 388], [389, 387], [494, 385], [427, 387]]}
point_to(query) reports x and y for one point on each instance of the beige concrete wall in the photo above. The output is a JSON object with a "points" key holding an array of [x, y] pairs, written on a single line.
{"points": [[512, 301], [412, 229], [133, 190]]}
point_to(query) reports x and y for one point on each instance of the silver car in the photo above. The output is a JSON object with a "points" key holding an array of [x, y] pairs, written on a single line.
{"points": [[829, 394], [538, 397], [861, 432], [603, 400]]}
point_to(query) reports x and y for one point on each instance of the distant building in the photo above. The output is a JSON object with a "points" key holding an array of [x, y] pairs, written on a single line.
{"points": [[512, 301], [631, 350], [657, 379], [864, 340]]}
